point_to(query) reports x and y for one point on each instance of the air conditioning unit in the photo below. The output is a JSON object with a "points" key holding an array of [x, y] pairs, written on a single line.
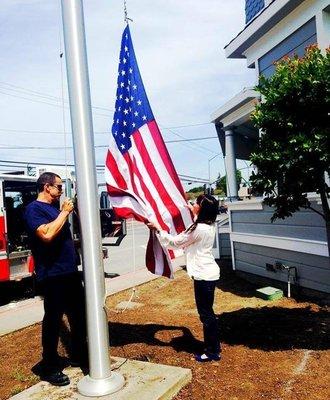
{"points": [[244, 191]]}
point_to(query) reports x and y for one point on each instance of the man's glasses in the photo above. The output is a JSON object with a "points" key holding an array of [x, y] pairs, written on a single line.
{"points": [[58, 187]]}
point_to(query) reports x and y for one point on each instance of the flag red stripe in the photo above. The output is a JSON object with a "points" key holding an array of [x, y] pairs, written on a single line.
{"points": [[167, 271], [129, 162], [111, 163], [171, 253], [150, 257], [147, 194], [167, 200], [117, 192], [156, 135], [124, 212]]}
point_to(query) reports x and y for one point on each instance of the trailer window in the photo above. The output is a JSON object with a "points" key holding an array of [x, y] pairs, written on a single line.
{"points": [[17, 195]]}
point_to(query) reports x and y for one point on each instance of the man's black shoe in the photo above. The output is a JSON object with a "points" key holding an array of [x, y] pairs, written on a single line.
{"points": [[56, 379], [74, 363]]}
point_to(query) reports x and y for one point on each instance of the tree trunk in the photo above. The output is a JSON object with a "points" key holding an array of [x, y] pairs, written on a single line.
{"points": [[326, 211]]}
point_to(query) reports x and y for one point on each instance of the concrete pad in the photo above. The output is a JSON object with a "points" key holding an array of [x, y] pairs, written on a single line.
{"points": [[143, 380]]}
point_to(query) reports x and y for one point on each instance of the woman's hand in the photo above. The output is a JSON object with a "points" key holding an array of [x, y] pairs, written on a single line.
{"points": [[190, 206], [194, 208], [154, 226]]}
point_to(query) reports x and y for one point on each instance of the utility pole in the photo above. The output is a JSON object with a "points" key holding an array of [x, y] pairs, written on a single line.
{"points": [[100, 381], [209, 169]]}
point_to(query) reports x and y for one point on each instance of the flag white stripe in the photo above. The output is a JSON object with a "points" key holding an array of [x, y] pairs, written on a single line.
{"points": [[149, 209], [164, 175], [128, 202], [124, 169], [158, 253], [165, 214], [121, 164]]}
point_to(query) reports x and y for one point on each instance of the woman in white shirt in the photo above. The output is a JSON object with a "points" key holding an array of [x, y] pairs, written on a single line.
{"points": [[197, 241]]}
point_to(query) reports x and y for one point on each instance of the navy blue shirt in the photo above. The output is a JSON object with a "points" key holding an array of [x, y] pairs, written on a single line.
{"points": [[53, 258]]}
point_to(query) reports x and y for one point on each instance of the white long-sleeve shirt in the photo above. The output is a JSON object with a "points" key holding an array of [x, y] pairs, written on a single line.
{"points": [[197, 245]]}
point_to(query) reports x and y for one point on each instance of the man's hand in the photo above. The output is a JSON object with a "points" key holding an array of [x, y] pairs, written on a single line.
{"points": [[47, 232], [67, 205]]}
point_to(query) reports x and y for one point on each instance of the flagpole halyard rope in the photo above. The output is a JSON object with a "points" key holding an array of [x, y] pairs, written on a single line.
{"points": [[126, 18], [134, 268], [62, 96]]}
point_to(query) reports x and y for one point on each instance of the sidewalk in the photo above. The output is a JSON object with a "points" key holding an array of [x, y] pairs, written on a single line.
{"points": [[15, 316]]}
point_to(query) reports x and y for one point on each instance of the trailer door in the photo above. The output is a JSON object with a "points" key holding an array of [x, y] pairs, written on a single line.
{"points": [[17, 195]]}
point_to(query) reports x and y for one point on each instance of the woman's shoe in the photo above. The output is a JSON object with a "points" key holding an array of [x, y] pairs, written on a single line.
{"points": [[206, 357]]}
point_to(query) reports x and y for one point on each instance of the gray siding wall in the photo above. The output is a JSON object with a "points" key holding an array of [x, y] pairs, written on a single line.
{"points": [[224, 242], [313, 271], [293, 44], [304, 224]]}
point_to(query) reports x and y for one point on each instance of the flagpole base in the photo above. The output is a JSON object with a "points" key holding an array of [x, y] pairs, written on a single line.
{"points": [[88, 386]]}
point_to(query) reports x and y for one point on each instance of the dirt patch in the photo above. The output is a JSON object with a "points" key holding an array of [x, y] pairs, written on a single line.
{"points": [[271, 350]]}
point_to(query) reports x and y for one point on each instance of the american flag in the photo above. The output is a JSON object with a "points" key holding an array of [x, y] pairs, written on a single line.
{"points": [[141, 179]]}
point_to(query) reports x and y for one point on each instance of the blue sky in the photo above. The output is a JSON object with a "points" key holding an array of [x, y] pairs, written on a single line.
{"points": [[179, 48]]}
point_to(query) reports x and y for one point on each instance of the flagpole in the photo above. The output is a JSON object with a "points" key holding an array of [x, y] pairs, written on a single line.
{"points": [[101, 380]]}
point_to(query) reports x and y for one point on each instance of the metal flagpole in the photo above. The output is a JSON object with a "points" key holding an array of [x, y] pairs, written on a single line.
{"points": [[101, 380]]}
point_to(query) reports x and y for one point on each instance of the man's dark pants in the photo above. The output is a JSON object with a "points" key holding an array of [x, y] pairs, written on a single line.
{"points": [[204, 297], [63, 294]]}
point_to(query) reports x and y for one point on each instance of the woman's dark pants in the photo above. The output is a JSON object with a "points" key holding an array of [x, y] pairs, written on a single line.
{"points": [[204, 297]]}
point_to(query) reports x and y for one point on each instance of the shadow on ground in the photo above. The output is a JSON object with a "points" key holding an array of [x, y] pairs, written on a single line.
{"points": [[181, 338], [275, 328], [230, 282], [267, 328]]}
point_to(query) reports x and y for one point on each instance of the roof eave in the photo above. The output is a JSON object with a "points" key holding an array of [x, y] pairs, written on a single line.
{"points": [[234, 103], [259, 26]]}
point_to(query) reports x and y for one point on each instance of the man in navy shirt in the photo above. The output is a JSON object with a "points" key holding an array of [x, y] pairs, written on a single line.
{"points": [[57, 273]]}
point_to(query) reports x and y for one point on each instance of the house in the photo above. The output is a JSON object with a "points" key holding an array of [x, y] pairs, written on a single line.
{"points": [[294, 249]]}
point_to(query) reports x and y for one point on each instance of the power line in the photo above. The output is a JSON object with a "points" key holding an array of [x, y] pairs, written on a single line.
{"points": [[187, 126], [5, 147], [192, 147], [21, 89], [46, 132], [44, 102], [191, 140], [96, 133], [199, 149], [30, 92], [21, 164]]}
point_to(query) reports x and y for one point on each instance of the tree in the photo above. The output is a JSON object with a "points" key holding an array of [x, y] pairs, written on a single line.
{"points": [[196, 189], [222, 182], [294, 149]]}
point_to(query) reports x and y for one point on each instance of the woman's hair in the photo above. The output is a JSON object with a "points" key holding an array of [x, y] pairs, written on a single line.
{"points": [[208, 212]]}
